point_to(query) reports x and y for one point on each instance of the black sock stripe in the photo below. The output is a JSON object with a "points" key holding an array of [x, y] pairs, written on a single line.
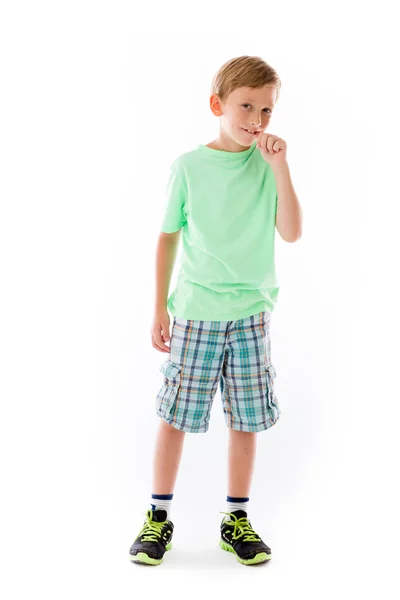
{"points": [[232, 499], [162, 496]]}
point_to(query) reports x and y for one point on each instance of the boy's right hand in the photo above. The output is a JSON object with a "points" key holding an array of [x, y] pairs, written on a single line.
{"points": [[160, 330]]}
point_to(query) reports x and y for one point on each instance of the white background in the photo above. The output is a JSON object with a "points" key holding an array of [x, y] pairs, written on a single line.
{"points": [[97, 99]]}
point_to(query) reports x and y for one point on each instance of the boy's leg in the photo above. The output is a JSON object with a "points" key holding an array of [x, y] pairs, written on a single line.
{"points": [[250, 406], [155, 538], [241, 457], [167, 457], [237, 533]]}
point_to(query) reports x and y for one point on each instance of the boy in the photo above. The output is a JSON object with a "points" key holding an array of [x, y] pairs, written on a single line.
{"points": [[227, 197]]}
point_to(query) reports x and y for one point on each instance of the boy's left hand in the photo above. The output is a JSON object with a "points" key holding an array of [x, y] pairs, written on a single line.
{"points": [[273, 149]]}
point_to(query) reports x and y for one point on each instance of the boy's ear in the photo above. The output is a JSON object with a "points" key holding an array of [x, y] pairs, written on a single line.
{"points": [[215, 105]]}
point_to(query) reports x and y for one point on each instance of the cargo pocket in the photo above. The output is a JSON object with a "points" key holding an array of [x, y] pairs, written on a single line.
{"points": [[166, 397], [272, 400]]}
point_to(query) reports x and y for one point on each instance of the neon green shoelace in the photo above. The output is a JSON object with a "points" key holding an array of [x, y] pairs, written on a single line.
{"points": [[242, 528], [151, 530]]}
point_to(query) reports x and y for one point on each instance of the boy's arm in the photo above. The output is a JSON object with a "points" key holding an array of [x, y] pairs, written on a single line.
{"points": [[165, 259], [289, 215]]}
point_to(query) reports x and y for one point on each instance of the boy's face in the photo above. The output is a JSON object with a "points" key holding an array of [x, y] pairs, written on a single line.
{"points": [[245, 108]]}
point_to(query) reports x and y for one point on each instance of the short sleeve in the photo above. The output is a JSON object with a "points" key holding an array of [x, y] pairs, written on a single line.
{"points": [[176, 198]]}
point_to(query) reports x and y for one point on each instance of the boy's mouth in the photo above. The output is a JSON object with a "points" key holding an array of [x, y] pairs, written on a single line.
{"points": [[250, 132]]}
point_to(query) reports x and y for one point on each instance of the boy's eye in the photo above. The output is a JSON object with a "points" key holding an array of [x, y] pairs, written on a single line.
{"points": [[266, 109]]}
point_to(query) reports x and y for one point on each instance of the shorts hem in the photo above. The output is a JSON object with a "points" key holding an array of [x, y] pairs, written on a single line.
{"points": [[185, 428], [253, 428]]}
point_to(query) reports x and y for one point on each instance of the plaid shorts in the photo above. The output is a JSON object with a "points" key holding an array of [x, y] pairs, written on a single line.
{"points": [[237, 354]]}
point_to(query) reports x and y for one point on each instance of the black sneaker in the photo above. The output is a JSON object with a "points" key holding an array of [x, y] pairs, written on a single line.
{"points": [[238, 536], [153, 540]]}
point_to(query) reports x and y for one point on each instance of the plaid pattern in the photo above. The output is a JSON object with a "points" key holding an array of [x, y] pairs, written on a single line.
{"points": [[236, 354]]}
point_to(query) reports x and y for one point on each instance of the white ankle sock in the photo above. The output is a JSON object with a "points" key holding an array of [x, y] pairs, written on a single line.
{"points": [[162, 501], [233, 504]]}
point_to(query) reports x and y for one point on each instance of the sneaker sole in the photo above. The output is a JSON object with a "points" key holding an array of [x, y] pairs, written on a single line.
{"points": [[141, 558], [259, 558]]}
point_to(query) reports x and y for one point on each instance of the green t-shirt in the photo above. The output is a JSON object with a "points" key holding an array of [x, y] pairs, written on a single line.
{"points": [[225, 203]]}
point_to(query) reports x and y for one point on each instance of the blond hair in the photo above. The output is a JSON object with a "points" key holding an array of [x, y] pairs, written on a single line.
{"points": [[244, 71]]}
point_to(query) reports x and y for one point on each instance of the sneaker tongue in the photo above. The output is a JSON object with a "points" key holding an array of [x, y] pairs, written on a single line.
{"points": [[239, 513], [159, 515]]}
